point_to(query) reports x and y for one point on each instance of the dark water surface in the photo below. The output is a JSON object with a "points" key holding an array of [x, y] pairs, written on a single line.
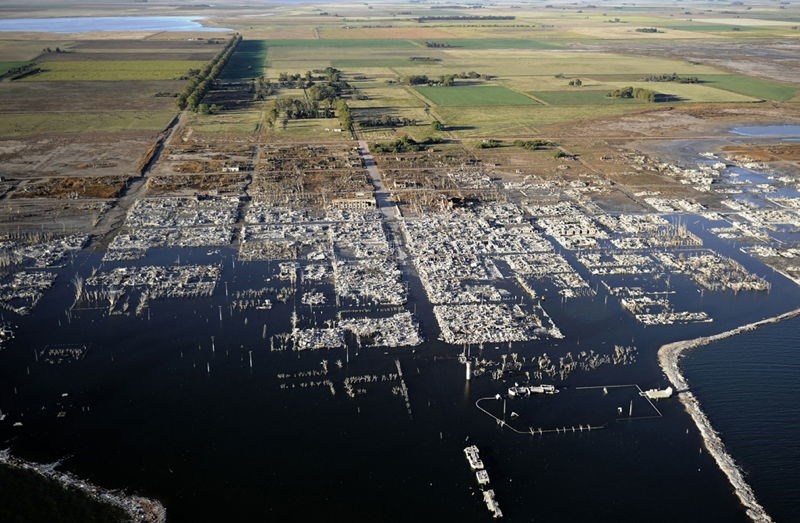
{"points": [[777, 131], [749, 387], [159, 408], [153, 409]]}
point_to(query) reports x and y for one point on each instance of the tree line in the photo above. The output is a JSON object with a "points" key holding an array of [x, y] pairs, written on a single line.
{"points": [[322, 84], [672, 78], [404, 145], [21, 71], [445, 80], [458, 18], [285, 109], [387, 121], [200, 81], [530, 145]]}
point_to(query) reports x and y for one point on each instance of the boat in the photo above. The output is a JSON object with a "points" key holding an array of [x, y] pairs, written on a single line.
{"points": [[523, 391], [473, 457], [657, 394], [543, 389], [516, 390]]}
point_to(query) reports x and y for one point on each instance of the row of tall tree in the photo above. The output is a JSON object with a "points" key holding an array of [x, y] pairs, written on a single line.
{"points": [[674, 77], [201, 81], [297, 109], [387, 120], [345, 116], [262, 88], [445, 80], [404, 144]]}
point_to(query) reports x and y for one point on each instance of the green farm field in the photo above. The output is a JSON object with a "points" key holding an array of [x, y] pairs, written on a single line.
{"points": [[535, 62], [322, 129], [23, 124], [749, 86], [248, 61], [25, 51], [24, 97], [494, 43], [687, 92], [114, 70], [523, 121], [474, 96], [5, 66], [344, 44], [757, 88], [582, 97], [231, 122], [357, 64], [383, 97]]}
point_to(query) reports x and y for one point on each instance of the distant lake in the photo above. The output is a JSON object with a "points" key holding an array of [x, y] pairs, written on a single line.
{"points": [[768, 130], [107, 23]]}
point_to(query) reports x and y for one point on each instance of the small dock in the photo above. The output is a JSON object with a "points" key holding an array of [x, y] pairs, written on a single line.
{"points": [[625, 412]]}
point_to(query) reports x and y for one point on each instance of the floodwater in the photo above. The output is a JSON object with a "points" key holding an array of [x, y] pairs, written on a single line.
{"points": [[159, 408], [107, 23], [167, 405], [772, 131], [748, 387]]}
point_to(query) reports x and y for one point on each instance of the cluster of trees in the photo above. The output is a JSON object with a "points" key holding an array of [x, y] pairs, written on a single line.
{"points": [[636, 92], [575, 82], [21, 71], [531, 145], [262, 88], [345, 117], [387, 121], [489, 144], [534, 145], [470, 74], [437, 45], [285, 109], [296, 81], [445, 80], [209, 109], [201, 81], [404, 145], [417, 79], [323, 92], [648, 30], [325, 84], [49, 50], [424, 59], [672, 78]]}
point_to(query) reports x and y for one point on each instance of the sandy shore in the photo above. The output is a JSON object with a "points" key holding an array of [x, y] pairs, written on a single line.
{"points": [[669, 359], [138, 509]]}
